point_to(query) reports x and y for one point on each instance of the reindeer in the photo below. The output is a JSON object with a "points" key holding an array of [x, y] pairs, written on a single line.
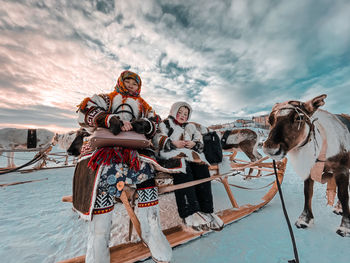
{"points": [[318, 145], [16, 139], [237, 140], [75, 147], [13, 139], [64, 141]]}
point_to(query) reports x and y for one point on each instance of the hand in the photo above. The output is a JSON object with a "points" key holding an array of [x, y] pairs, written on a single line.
{"points": [[141, 126], [179, 144], [115, 125], [127, 126], [189, 144]]}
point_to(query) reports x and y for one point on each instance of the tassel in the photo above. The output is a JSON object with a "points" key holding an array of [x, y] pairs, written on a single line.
{"points": [[107, 155]]}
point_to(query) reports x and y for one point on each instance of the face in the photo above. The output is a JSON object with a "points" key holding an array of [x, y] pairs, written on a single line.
{"points": [[131, 85], [288, 130], [290, 126], [182, 115]]}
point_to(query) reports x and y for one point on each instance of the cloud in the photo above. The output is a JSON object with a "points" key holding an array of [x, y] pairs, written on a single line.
{"points": [[37, 116], [228, 59]]}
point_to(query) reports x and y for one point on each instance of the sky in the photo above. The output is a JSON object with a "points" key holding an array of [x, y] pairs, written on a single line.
{"points": [[228, 59]]}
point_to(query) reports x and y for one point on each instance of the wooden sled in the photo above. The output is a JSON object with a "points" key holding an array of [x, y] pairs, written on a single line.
{"points": [[132, 252]]}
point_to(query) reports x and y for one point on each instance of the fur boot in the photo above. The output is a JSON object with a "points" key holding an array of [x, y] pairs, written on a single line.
{"points": [[98, 238], [148, 215], [197, 222], [214, 222]]}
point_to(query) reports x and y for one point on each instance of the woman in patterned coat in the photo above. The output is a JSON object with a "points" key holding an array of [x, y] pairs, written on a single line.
{"points": [[100, 175]]}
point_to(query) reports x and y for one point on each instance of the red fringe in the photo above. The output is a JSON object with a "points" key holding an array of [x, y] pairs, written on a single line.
{"points": [[108, 155]]}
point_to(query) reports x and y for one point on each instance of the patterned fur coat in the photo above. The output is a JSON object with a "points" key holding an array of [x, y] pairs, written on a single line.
{"points": [[169, 130]]}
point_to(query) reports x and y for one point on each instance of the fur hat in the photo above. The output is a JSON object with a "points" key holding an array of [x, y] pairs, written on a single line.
{"points": [[177, 105]]}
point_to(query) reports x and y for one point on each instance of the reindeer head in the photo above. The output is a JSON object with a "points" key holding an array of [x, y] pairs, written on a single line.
{"points": [[77, 143], [64, 140], [291, 125]]}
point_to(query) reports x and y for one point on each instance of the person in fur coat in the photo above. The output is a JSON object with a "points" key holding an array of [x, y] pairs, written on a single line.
{"points": [[100, 175], [179, 140]]}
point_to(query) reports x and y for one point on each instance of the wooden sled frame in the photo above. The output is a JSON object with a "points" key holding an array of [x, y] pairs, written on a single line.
{"points": [[46, 152], [131, 252]]}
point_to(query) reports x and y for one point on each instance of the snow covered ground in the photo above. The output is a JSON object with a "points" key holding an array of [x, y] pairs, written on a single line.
{"points": [[35, 226]]}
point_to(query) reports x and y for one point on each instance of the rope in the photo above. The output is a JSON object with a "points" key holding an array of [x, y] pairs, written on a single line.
{"points": [[256, 176], [36, 158], [296, 260], [251, 188], [60, 156]]}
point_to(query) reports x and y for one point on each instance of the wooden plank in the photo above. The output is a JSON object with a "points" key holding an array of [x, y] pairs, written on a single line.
{"points": [[44, 168], [22, 182], [171, 188]]}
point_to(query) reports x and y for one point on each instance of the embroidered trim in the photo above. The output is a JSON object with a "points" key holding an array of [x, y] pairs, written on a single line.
{"points": [[148, 204], [102, 211], [151, 124], [107, 99], [96, 117], [86, 147], [108, 118], [147, 196], [90, 116], [107, 121], [162, 141], [149, 187]]}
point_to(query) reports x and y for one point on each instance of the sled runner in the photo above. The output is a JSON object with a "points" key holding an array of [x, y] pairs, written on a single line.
{"points": [[134, 251]]}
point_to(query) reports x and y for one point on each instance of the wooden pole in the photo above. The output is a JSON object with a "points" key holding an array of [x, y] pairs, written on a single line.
{"points": [[131, 213], [224, 181]]}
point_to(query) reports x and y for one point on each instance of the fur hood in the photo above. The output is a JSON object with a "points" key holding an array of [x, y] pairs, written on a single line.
{"points": [[177, 105]]}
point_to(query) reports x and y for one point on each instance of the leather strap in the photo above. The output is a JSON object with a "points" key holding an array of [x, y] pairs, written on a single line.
{"points": [[131, 214]]}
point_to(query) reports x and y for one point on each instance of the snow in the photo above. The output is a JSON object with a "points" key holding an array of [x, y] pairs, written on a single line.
{"points": [[35, 226]]}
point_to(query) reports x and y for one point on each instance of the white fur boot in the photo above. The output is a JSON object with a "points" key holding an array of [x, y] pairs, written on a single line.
{"points": [[98, 238], [148, 215], [197, 222], [214, 222]]}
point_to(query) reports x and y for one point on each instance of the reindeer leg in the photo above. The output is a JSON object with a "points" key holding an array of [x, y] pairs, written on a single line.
{"points": [[338, 210], [306, 218], [233, 155], [257, 156], [342, 180], [251, 157], [10, 160]]}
